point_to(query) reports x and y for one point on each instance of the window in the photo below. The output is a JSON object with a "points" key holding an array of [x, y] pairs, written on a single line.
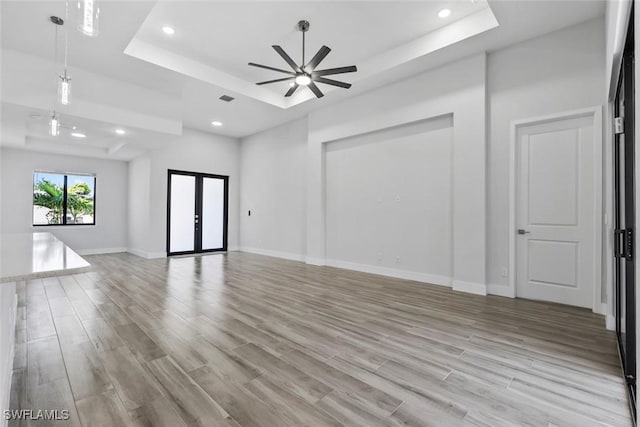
{"points": [[60, 199]]}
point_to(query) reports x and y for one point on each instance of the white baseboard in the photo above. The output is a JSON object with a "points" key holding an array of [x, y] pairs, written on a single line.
{"points": [[156, 255], [469, 287], [500, 290], [600, 308], [145, 254], [314, 261], [137, 252], [275, 254], [610, 322], [391, 272], [100, 251]]}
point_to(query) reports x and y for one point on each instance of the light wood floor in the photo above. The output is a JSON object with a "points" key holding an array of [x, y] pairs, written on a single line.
{"points": [[247, 340]]}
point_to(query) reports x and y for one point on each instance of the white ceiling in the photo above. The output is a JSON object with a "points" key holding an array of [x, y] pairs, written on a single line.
{"points": [[214, 41], [223, 36], [134, 76]]}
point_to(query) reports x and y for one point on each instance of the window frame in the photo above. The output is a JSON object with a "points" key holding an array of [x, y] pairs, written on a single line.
{"points": [[64, 200]]}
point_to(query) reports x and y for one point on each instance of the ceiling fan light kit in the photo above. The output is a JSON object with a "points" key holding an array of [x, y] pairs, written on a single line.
{"points": [[306, 74]]}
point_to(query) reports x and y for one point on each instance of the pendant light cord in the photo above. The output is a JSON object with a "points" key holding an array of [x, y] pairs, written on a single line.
{"points": [[66, 37], [55, 65]]}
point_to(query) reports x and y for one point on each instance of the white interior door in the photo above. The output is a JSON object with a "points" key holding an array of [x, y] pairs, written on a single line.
{"points": [[556, 211]]}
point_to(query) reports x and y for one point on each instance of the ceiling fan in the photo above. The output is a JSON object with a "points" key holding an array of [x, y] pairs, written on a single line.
{"points": [[306, 75]]}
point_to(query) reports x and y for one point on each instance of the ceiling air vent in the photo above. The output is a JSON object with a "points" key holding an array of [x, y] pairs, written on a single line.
{"points": [[226, 98]]}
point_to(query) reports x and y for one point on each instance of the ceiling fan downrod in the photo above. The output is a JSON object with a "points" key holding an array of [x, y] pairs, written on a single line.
{"points": [[304, 27]]}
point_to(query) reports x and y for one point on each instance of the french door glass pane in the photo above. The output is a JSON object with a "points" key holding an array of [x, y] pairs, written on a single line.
{"points": [[183, 206], [212, 213]]}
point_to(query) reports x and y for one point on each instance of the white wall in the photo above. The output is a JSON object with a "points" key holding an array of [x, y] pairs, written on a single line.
{"points": [[388, 201], [554, 73], [558, 72], [110, 232], [139, 205], [457, 89], [194, 151], [273, 173]]}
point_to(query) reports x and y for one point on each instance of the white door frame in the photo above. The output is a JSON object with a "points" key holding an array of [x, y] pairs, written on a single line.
{"points": [[596, 113]]}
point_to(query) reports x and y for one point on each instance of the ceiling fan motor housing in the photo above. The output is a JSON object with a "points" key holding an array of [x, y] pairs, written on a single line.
{"points": [[303, 26]]}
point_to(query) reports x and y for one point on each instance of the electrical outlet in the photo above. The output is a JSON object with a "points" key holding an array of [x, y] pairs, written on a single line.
{"points": [[505, 272], [397, 260]]}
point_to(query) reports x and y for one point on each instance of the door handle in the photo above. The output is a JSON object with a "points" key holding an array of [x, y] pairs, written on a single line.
{"points": [[619, 243], [523, 231]]}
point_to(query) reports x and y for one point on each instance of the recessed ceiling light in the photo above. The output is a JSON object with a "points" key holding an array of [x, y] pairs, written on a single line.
{"points": [[444, 13], [78, 135], [120, 131], [292, 84], [168, 30], [216, 123]]}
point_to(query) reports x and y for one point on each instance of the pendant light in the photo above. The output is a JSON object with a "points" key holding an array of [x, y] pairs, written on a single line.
{"points": [[54, 123], [64, 88], [64, 80], [88, 17]]}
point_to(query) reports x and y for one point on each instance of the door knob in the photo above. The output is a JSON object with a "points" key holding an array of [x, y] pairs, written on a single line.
{"points": [[523, 231]]}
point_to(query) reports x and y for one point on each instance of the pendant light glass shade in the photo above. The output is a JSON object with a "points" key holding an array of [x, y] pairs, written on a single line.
{"points": [[54, 125], [88, 17], [64, 88]]}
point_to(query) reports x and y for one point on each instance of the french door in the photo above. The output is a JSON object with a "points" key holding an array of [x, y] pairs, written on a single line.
{"points": [[624, 218], [197, 212]]}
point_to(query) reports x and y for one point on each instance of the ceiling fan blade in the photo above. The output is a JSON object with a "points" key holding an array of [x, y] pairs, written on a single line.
{"points": [[324, 51], [287, 58], [332, 82], [291, 90], [275, 81], [315, 90], [341, 70], [272, 68]]}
